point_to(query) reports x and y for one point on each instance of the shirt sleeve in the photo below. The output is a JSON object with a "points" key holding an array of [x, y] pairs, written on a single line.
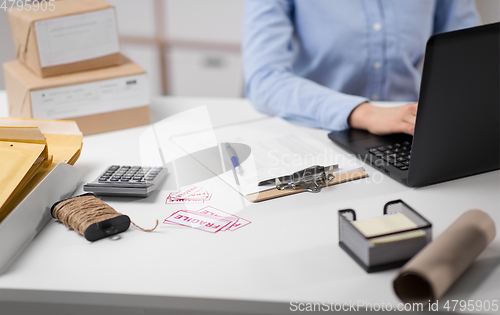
{"points": [[453, 15], [269, 49]]}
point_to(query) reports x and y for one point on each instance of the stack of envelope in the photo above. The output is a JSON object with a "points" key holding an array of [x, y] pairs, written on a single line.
{"points": [[29, 150]]}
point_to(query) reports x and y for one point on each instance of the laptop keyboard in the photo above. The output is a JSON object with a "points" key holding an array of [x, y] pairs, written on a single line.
{"points": [[397, 154]]}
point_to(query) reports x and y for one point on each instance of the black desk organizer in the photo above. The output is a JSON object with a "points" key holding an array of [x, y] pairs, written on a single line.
{"points": [[388, 255]]}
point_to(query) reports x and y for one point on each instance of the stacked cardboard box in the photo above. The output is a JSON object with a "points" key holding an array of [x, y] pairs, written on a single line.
{"points": [[69, 67]]}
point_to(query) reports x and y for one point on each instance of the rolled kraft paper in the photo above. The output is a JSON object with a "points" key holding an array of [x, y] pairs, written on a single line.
{"points": [[428, 275]]}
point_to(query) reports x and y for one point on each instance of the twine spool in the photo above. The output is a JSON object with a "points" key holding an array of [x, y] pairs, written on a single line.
{"points": [[91, 217]]}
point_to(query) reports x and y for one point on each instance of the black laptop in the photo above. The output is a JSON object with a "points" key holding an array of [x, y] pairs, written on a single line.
{"points": [[457, 132]]}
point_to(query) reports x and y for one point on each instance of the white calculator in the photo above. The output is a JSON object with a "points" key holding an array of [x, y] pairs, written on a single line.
{"points": [[127, 181]]}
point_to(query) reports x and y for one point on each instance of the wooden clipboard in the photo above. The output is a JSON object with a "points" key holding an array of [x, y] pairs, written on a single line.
{"points": [[275, 193]]}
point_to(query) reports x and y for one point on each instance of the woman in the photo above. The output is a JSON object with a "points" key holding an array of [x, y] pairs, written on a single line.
{"points": [[319, 62]]}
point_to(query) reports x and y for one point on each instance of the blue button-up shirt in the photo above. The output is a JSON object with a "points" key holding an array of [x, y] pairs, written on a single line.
{"points": [[313, 61]]}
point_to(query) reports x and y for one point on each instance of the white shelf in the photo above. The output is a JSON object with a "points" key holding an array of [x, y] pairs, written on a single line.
{"points": [[205, 73], [201, 20]]}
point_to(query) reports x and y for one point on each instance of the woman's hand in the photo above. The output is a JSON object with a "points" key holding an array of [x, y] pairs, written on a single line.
{"points": [[384, 120]]}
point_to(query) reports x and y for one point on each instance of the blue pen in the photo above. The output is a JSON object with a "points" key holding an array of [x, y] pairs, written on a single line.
{"points": [[234, 159]]}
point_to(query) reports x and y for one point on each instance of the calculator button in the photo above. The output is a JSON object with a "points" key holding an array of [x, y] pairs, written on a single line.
{"points": [[137, 177], [103, 179], [114, 179]]}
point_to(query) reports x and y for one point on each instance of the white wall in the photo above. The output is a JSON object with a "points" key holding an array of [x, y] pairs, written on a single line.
{"points": [[191, 71]]}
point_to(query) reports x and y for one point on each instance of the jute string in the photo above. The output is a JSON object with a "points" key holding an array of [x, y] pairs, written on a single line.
{"points": [[80, 212]]}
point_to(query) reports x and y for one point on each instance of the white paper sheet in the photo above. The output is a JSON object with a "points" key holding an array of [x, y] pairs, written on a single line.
{"points": [[77, 37], [278, 148], [91, 98]]}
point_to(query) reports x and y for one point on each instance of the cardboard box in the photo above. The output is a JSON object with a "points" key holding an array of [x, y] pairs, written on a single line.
{"points": [[77, 35], [98, 100]]}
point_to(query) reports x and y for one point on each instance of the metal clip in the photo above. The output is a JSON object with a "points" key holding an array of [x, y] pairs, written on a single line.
{"points": [[311, 179]]}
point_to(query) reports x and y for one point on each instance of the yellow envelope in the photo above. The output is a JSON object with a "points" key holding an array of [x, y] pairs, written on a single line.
{"points": [[64, 141], [26, 135], [64, 138], [22, 134], [19, 163]]}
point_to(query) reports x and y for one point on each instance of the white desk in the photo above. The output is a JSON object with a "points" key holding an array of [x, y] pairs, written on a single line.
{"points": [[288, 253]]}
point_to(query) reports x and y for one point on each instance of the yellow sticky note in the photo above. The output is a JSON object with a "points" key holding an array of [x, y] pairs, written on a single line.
{"points": [[398, 237], [390, 223]]}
